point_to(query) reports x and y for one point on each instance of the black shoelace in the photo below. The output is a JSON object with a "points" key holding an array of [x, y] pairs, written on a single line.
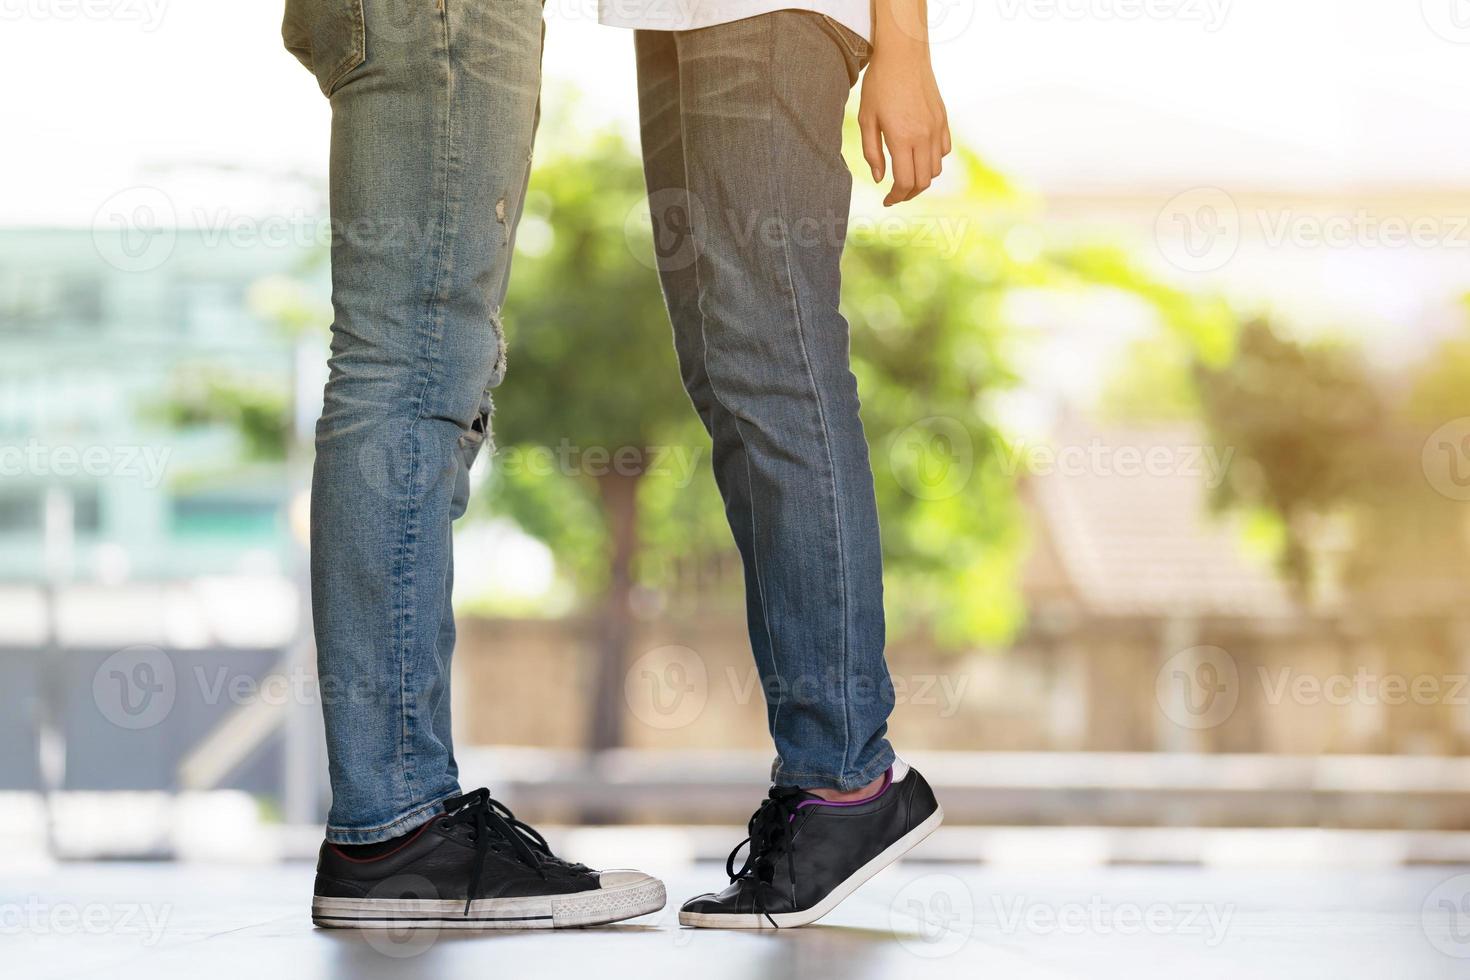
{"points": [[492, 820], [771, 834]]}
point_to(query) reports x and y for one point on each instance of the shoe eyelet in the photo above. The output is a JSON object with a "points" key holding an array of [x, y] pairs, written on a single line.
{"points": [[443, 824]]}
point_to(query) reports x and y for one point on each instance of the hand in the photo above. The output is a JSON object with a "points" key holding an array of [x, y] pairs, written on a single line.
{"points": [[901, 107]]}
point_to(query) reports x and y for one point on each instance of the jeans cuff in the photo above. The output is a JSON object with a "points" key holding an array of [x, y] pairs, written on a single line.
{"points": [[411, 820], [843, 784]]}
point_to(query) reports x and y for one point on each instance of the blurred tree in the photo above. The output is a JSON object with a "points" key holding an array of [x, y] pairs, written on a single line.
{"points": [[592, 369], [592, 393], [602, 458], [930, 297], [1309, 432]]}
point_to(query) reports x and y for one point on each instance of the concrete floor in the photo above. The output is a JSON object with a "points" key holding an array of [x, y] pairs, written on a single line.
{"points": [[217, 923]]}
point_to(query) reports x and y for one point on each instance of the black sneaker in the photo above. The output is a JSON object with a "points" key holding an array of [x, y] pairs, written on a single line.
{"points": [[806, 855], [475, 866]]}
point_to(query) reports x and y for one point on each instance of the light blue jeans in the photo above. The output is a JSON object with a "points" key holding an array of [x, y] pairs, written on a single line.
{"points": [[742, 147], [434, 108]]}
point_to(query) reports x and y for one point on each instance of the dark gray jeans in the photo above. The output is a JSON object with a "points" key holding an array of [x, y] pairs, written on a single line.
{"points": [[742, 146]]}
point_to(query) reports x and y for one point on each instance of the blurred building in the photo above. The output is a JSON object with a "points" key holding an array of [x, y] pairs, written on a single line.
{"points": [[99, 481]]}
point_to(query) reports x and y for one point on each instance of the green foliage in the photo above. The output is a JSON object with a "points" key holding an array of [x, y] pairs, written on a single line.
{"points": [[1308, 429], [926, 292], [257, 409]]}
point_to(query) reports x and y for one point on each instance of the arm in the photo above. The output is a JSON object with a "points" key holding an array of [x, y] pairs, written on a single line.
{"points": [[901, 105]]}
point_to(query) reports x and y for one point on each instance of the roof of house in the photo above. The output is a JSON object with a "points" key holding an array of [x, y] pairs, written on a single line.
{"points": [[1123, 528]]}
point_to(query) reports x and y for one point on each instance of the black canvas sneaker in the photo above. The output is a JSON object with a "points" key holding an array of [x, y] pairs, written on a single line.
{"points": [[475, 866], [806, 855]]}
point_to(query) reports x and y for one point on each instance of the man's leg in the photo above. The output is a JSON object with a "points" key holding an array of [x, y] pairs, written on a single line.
{"points": [[431, 136], [743, 122], [433, 113]]}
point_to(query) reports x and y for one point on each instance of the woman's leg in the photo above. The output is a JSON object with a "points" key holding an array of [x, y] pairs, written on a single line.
{"points": [[742, 132]]}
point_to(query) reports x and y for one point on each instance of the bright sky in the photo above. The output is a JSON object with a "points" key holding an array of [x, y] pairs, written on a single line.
{"points": [[1062, 93], [1158, 99]]}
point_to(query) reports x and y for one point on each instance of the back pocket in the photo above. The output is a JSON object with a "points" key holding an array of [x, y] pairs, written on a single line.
{"points": [[856, 49], [329, 37]]}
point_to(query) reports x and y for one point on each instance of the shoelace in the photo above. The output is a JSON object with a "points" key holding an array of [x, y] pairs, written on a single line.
{"points": [[771, 833], [487, 817]]}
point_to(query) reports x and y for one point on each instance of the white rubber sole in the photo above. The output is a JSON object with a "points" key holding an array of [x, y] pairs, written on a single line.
{"points": [[611, 903], [790, 920]]}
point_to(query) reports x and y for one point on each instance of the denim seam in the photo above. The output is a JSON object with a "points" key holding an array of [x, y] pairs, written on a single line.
{"points": [[409, 536], [780, 200], [715, 391]]}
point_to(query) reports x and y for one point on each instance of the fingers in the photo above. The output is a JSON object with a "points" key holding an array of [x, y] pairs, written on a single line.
{"points": [[872, 145], [916, 162], [924, 172], [904, 178]]}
